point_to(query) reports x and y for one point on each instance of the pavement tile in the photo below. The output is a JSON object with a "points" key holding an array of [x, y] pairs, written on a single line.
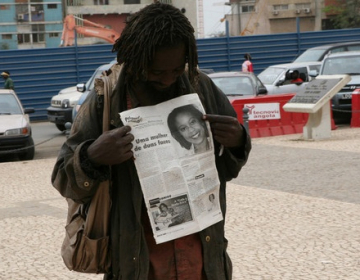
{"points": [[278, 227]]}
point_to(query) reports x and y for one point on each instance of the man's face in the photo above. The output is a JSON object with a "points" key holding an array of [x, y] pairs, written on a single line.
{"points": [[167, 66], [4, 77]]}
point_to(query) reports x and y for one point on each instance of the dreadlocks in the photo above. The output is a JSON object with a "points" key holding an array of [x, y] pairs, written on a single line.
{"points": [[157, 25]]}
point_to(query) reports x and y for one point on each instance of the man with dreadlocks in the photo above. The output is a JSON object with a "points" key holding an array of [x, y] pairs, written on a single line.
{"points": [[158, 57]]}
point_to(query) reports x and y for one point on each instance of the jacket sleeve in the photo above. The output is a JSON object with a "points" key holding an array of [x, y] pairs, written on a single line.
{"points": [[232, 160], [68, 176]]}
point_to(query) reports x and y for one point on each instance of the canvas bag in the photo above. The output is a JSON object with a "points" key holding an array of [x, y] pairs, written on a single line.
{"points": [[86, 244]]}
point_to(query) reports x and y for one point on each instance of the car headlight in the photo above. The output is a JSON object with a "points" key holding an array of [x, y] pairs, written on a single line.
{"points": [[65, 103], [17, 131]]}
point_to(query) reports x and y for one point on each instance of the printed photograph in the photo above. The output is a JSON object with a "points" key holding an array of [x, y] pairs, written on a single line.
{"points": [[189, 129], [171, 212]]}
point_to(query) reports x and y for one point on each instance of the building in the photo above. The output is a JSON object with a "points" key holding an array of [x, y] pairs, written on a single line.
{"points": [[39, 23], [30, 23], [252, 17], [113, 13]]}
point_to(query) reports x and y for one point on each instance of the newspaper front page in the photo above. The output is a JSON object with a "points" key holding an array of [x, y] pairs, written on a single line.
{"points": [[175, 161]]}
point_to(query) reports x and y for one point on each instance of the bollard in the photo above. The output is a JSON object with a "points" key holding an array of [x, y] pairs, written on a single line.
{"points": [[246, 119], [355, 108]]}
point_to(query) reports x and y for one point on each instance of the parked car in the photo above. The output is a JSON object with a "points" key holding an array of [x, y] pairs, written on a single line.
{"points": [[343, 63], [61, 109], [237, 85], [277, 78], [319, 53], [15, 129], [89, 86]]}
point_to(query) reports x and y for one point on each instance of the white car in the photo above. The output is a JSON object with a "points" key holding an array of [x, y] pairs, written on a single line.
{"points": [[62, 105], [15, 129], [277, 78]]}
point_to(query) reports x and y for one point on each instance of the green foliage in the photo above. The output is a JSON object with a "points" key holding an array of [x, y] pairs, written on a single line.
{"points": [[4, 46], [346, 13], [218, 34]]}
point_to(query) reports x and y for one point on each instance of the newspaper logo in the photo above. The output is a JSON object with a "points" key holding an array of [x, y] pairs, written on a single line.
{"points": [[133, 119]]}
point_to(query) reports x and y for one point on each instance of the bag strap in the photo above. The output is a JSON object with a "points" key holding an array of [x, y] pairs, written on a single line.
{"points": [[106, 109], [104, 87], [97, 222]]}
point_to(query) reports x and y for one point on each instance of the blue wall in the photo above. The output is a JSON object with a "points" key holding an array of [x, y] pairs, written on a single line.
{"points": [[39, 74]]}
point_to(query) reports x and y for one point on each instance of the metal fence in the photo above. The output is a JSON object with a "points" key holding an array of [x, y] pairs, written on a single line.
{"points": [[38, 74]]}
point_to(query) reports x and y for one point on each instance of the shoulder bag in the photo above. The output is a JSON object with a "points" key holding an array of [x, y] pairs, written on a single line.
{"points": [[86, 244]]}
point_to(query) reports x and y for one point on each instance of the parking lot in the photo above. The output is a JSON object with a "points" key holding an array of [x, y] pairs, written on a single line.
{"points": [[293, 212]]}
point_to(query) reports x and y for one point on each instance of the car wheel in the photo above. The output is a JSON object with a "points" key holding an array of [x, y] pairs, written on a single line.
{"points": [[29, 152], [60, 127]]}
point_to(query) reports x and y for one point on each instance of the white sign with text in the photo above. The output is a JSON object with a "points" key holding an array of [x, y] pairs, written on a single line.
{"points": [[263, 111]]}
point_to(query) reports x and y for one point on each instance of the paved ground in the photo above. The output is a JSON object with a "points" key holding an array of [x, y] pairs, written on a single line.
{"points": [[293, 213]]}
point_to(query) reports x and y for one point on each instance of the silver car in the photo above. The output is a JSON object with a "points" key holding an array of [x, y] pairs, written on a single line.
{"points": [[343, 63], [15, 129], [237, 85]]}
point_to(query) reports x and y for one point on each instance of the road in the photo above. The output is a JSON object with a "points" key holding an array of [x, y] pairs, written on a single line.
{"points": [[305, 167], [47, 138], [315, 171]]}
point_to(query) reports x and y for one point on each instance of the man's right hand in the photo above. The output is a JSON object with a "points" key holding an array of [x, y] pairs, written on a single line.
{"points": [[112, 147]]}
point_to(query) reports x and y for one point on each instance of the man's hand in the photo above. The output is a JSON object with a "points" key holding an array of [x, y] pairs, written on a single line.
{"points": [[226, 130], [112, 147]]}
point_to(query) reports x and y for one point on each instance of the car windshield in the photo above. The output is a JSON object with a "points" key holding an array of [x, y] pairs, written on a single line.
{"points": [[342, 65], [310, 55], [270, 74], [234, 86], [9, 105]]}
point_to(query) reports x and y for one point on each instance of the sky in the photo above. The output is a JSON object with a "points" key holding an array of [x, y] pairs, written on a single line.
{"points": [[214, 11]]}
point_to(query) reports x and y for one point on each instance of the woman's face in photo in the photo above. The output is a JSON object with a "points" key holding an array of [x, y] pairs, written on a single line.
{"points": [[163, 208], [190, 128]]}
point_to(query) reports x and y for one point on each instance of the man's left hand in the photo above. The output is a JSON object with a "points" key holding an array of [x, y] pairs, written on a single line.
{"points": [[226, 130]]}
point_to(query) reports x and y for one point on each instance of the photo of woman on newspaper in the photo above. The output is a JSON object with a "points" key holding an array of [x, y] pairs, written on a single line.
{"points": [[167, 217], [188, 128]]}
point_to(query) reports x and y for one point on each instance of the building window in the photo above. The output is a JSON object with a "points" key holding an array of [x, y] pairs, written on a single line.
{"points": [[38, 33], [23, 38], [302, 6], [131, 1], [38, 38], [52, 35], [6, 36], [4, 7], [101, 2], [248, 9], [52, 6], [280, 7]]}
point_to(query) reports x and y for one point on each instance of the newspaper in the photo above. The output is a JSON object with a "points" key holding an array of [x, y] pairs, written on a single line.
{"points": [[175, 161]]}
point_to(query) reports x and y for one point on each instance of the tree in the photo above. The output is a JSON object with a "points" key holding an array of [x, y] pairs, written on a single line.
{"points": [[344, 13], [217, 34]]}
